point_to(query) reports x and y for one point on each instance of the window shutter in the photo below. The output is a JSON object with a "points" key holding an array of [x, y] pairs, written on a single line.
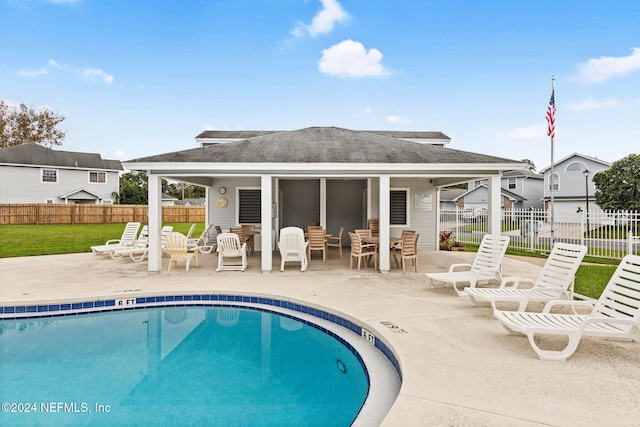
{"points": [[398, 202], [249, 212]]}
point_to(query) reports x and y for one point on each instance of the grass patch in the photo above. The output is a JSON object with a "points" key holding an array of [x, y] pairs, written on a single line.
{"points": [[592, 275], [591, 279], [35, 240]]}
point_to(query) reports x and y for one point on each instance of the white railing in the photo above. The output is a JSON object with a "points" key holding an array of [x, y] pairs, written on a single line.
{"points": [[607, 234]]}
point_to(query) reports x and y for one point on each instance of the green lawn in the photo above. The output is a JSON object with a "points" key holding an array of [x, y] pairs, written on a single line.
{"points": [[34, 240]]}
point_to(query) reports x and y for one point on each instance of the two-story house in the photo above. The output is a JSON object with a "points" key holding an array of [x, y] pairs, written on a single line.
{"points": [[572, 183], [32, 173], [520, 189]]}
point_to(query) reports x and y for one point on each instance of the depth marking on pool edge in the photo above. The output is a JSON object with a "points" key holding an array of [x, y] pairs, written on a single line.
{"points": [[125, 302], [368, 336], [394, 328]]}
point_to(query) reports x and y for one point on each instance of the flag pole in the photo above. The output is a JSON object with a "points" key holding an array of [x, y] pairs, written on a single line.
{"points": [[551, 132]]}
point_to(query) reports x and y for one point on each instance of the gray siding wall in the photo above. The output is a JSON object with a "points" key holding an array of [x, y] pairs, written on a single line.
{"points": [[423, 222], [24, 185]]}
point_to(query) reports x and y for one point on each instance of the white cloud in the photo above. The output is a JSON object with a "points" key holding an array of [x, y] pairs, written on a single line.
{"points": [[590, 104], [397, 119], [33, 73], [120, 154], [54, 64], [323, 23], [607, 67], [94, 74], [91, 74], [351, 59], [524, 133]]}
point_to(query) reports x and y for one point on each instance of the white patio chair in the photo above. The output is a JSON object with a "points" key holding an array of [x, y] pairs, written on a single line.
{"points": [[176, 244], [129, 236], [293, 247], [614, 316], [555, 281], [486, 267], [231, 254], [201, 243]]}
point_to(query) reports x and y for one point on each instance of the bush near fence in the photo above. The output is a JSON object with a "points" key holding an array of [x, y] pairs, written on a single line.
{"points": [[47, 213]]}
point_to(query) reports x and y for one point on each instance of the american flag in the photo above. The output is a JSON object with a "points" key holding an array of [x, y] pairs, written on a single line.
{"points": [[551, 116]]}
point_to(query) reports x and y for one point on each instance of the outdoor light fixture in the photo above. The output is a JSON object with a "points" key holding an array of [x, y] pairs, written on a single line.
{"points": [[586, 189]]}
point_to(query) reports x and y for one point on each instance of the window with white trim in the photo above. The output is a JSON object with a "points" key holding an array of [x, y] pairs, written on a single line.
{"points": [[555, 181], [49, 175], [511, 183], [576, 167], [399, 207], [97, 177], [249, 206]]}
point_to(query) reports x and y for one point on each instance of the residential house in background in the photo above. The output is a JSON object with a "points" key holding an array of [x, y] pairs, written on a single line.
{"points": [[32, 173], [573, 183], [191, 201], [520, 189]]}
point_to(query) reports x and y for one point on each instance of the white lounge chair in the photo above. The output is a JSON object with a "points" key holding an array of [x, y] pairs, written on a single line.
{"points": [[555, 281], [176, 244], [615, 316], [231, 254], [486, 267], [293, 247], [129, 236], [139, 252], [140, 244], [201, 243]]}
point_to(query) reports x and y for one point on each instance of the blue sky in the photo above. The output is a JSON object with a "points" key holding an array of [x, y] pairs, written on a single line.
{"points": [[136, 78]]}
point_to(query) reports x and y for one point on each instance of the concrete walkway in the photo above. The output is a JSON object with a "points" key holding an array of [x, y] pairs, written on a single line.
{"points": [[459, 365]]}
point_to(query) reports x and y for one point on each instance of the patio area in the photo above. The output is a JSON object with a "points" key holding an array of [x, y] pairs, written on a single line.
{"points": [[459, 365]]}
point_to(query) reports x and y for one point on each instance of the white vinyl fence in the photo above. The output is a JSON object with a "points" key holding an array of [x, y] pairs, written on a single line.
{"points": [[607, 234]]}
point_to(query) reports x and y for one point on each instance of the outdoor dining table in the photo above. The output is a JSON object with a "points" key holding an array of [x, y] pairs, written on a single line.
{"points": [[376, 240]]}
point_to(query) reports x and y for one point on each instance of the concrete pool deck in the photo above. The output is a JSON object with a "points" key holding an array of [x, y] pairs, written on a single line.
{"points": [[459, 365]]}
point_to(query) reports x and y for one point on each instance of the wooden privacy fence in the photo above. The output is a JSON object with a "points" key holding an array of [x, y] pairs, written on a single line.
{"points": [[46, 213]]}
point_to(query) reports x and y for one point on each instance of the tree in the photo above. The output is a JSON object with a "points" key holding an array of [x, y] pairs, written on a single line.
{"points": [[618, 188], [134, 188], [22, 124], [532, 166], [183, 191]]}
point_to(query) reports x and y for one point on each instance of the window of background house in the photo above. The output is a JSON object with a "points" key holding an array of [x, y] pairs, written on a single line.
{"points": [[398, 201], [512, 183], [97, 177], [554, 180], [49, 175], [576, 167], [249, 206]]}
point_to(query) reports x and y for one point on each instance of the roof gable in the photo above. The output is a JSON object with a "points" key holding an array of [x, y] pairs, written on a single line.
{"points": [[578, 156]]}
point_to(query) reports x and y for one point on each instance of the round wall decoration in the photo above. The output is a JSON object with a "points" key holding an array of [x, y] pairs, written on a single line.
{"points": [[222, 190], [222, 202]]}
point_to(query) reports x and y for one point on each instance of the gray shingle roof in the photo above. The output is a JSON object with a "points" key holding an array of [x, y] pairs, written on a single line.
{"points": [[35, 154], [324, 145], [246, 134]]}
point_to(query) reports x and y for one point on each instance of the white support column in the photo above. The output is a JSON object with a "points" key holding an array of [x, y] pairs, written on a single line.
{"points": [[494, 205], [384, 218], [323, 203], [266, 188], [155, 222]]}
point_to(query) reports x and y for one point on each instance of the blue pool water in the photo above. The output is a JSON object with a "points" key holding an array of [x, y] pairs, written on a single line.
{"points": [[190, 366]]}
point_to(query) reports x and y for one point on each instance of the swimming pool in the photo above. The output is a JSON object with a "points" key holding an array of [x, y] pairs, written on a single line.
{"points": [[226, 361]]}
